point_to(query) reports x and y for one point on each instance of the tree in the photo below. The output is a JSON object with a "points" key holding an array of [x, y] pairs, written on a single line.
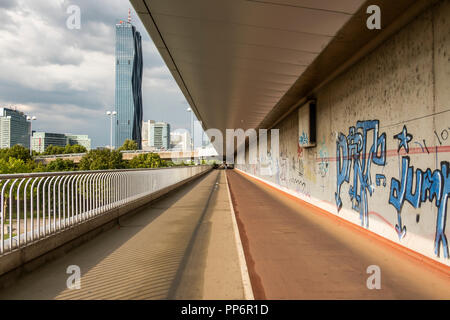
{"points": [[51, 150], [18, 152], [129, 145], [75, 148], [102, 159], [38, 167], [13, 165], [61, 165], [147, 160]]}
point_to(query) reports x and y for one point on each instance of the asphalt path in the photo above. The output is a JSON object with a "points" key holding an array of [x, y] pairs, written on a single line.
{"points": [[293, 251]]}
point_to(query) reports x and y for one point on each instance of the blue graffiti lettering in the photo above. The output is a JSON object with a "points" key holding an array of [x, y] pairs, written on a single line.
{"points": [[351, 151], [404, 138], [429, 186], [303, 139], [379, 178]]}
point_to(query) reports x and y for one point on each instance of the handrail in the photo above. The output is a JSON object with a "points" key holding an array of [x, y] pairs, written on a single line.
{"points": [[65, 173], [36, 205]]}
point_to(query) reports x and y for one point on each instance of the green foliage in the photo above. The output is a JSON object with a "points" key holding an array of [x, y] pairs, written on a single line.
{"points": [[178, 163], [129, 145], [61, 165], [147, 160], [39, 167], [102, 159], [18, 160], [68, 149], [169, 163], [13, 165], [50, 150], [75, 148], [18, 152], [34, 166]]}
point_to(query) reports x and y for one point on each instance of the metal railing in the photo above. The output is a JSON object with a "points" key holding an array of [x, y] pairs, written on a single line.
{"points": [[62, 155], [34, 206]]}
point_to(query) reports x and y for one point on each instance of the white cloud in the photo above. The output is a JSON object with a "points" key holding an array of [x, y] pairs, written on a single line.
{"points": [[66, 77]]}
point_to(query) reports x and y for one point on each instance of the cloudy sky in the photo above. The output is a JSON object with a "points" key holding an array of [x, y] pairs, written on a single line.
{"points": [[66, 77]]}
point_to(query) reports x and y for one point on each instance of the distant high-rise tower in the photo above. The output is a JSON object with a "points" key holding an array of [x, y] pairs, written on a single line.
{"points": [[160, 135], [14, 128], [128, 95]]}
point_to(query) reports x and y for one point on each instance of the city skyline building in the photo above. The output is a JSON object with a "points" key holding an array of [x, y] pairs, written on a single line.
{"points": [[128, 91], [80, 139], [14, 128], [41, 140], [160, 135], [146, 134]]}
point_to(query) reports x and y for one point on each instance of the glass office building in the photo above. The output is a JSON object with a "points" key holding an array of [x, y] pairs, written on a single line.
{"points": [[160, 135], [81, 139], [14, 128], [41, 140], [128, 95]]}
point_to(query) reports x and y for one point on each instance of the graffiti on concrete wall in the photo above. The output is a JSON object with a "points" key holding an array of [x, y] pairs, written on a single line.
{"points": [[355, 155], [293, 172], [443, 136], [297, 166], [323, 165], [429, 186], [300, 186], [303, 140], [361, 167], [362, 147], [423, 146], [299, 151]]}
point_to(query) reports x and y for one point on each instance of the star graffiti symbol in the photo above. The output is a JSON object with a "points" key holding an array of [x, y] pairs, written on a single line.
{"points": [[404, 137]]}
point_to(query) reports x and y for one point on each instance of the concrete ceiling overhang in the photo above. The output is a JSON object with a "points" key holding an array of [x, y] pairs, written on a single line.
{"points": [[247, 63]]}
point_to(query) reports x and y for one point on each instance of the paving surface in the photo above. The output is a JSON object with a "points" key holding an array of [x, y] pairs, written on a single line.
{"points": [[181, 246], [294, 252]]}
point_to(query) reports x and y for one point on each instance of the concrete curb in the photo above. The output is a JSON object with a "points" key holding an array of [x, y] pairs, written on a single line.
{"points": [[248, 291]]}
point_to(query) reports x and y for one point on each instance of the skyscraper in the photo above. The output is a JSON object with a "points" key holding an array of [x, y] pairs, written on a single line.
{"points": [[128, 95], [160, 135], [14, 128], [146, 134]]}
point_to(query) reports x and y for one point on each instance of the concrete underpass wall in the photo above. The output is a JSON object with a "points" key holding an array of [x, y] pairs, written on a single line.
{"points": [[397, 101]]}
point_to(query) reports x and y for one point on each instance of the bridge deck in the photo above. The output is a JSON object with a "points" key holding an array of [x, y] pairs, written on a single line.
{"points": [[294, 252], [181, 246]]}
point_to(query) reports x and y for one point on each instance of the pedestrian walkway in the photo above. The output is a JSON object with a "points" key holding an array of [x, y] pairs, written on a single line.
{"points": [[295, 252], [181, 246]]}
